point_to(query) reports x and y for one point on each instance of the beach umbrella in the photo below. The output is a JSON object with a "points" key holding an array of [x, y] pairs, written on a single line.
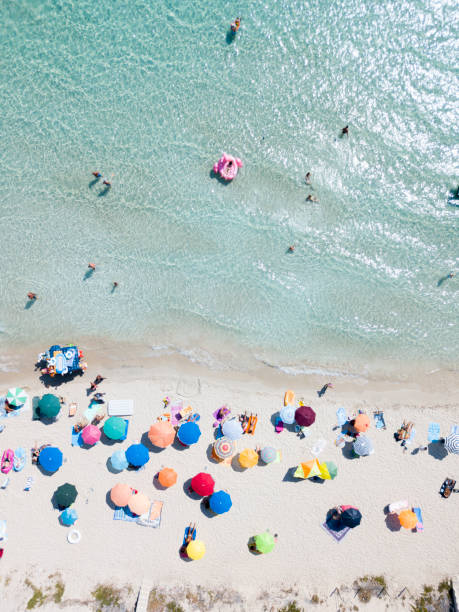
{"points": [[119, 461], [203, 484], [161, 434], [361, 422], [167, 477], [452, 444], [224, 448], [220, 502], [363, 446], [91, 434], [196, 550], [121, 494], [264, 542], [287, 414], [248, 458], [351, 516], [309, 469], [268, 454], [408, 519], [65, 495], [139, 504], [115, 428], [328, 470], [50, 459], [49, 406], [305, 416], [137, 455], [189, 433], [16, 397], [232, 429], [69, 516]]}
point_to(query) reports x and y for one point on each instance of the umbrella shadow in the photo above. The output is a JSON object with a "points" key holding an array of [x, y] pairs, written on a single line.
{"points": [[237, 467], [44, 471], [182, 554], [209, 453], [392, 522], [189, 491], [57, 381], [178, 445], [108, 499], [290, 475], [251, 546], [437, 450], [157, 484], [145, 440], [205, 508], [348, 451], [110, 467], [108, 441]]}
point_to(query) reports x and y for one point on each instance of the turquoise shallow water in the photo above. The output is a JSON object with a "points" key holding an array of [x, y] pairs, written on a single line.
{"points": [[154, 93]]}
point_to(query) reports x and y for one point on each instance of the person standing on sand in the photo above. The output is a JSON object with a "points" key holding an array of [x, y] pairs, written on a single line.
{"points": [[324, 388]]}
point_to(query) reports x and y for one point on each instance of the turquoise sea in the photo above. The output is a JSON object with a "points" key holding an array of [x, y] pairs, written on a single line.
{"points": [[154, 92]]}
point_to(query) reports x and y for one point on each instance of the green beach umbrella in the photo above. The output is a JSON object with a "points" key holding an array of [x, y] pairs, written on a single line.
{"points": [[49, 405], [16, 397], [264, 542], [114, 428], [65, 495]]}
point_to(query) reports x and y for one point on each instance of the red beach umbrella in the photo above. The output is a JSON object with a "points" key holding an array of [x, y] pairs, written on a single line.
{"points": [[203, 484], [305, 416]]}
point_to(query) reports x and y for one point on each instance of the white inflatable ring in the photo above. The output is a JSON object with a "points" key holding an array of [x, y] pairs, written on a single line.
{"points": [[73, 536], [69, 354], [52, 361]]}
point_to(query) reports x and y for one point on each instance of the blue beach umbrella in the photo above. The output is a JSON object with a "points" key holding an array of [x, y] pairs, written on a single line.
{"points": [[69, 516], [50, 459], [189, 433], [137, 455], [232, 429], [220, 502], [119, 461], [287, 414]]}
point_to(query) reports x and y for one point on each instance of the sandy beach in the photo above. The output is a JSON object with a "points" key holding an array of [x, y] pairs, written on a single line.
{"points": [[306, 562]]}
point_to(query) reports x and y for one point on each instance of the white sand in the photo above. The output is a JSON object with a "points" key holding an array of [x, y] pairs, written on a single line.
{"points": [[306, 556]]}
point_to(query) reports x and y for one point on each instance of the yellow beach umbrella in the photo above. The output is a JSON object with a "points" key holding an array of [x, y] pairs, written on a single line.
{"points": [[196, 549], [248, 458]]}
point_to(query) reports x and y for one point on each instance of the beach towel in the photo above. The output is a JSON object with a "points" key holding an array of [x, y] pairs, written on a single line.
{"points": [[226, 412], [185, 535], [175, 410], [13, 413], [420, 524], [93, 410], [152, 518], [124, 514], [341, 416], [77, 440], [380, 423], [433, 433], [336, 535], [409, 440]]}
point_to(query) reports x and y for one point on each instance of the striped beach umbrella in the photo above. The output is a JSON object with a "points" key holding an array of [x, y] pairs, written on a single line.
{"points": [[224, 448], [268, 454], [452, 444], [363, 446], [287, 414], [16, 397]]}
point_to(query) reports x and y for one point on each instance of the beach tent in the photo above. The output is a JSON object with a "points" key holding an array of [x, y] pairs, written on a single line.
{"points": [[232, 429], [452, 443], [287, 414], [137, 455], [305, 416], [350, 516], [115, 428], [49, 406], [167, 477], [264, 542], [121, 494], [65, 495], [224, 448], [16, 397], [203, 484], [196, 550], [361, 422], [69, 516], [363, 446], [408, 519], [189, 433], [268, 454], [326, 470], [90, 434], [139, 503], [119, 461], [161, 434], [50, 458], [248, 458], [220, 502]]}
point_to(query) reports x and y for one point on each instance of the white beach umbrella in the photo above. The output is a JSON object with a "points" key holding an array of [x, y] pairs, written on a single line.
{"points": [[287, 414], [452, 444], [363, 446]]}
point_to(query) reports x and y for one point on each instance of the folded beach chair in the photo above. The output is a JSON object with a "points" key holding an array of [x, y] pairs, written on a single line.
{"points": [[420, 524], [152, 518], [433, 432], [378, 416], [252, 424]]}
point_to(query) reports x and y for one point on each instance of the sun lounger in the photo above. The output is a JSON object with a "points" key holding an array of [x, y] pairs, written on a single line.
{"points": [[398, 506], [252, 424], [380, 423], [120, 407], [152, 518], [420, 524], [433, 432], [73, 409]]}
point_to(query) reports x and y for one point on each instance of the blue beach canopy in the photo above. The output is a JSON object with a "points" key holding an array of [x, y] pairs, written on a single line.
{"points": [[137, 455], [220, 502], [50, 459], [189, 433], [119, 461], [69, 516]]}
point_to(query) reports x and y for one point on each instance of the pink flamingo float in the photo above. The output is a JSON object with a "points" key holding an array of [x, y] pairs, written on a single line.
{"points": [[227, 166]]}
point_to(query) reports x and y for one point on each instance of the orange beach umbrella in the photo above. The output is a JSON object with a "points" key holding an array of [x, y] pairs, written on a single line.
{"points": [[408, 519], [167, 477], [121, 494], [161, 434], [139, 503], [361, 423]]}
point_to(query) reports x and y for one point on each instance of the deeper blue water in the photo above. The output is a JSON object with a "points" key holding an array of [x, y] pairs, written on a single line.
{"points": [[154, 92]]}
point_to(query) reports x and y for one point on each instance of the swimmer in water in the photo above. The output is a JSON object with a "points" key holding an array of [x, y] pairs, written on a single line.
{"points": [[307, 178], [345, 131], [32, 296], [236, 25], [98, 175], [311, 198]]}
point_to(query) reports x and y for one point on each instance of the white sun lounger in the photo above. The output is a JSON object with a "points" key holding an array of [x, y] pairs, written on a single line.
{"points": [[120, 407], [143, 596]]}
